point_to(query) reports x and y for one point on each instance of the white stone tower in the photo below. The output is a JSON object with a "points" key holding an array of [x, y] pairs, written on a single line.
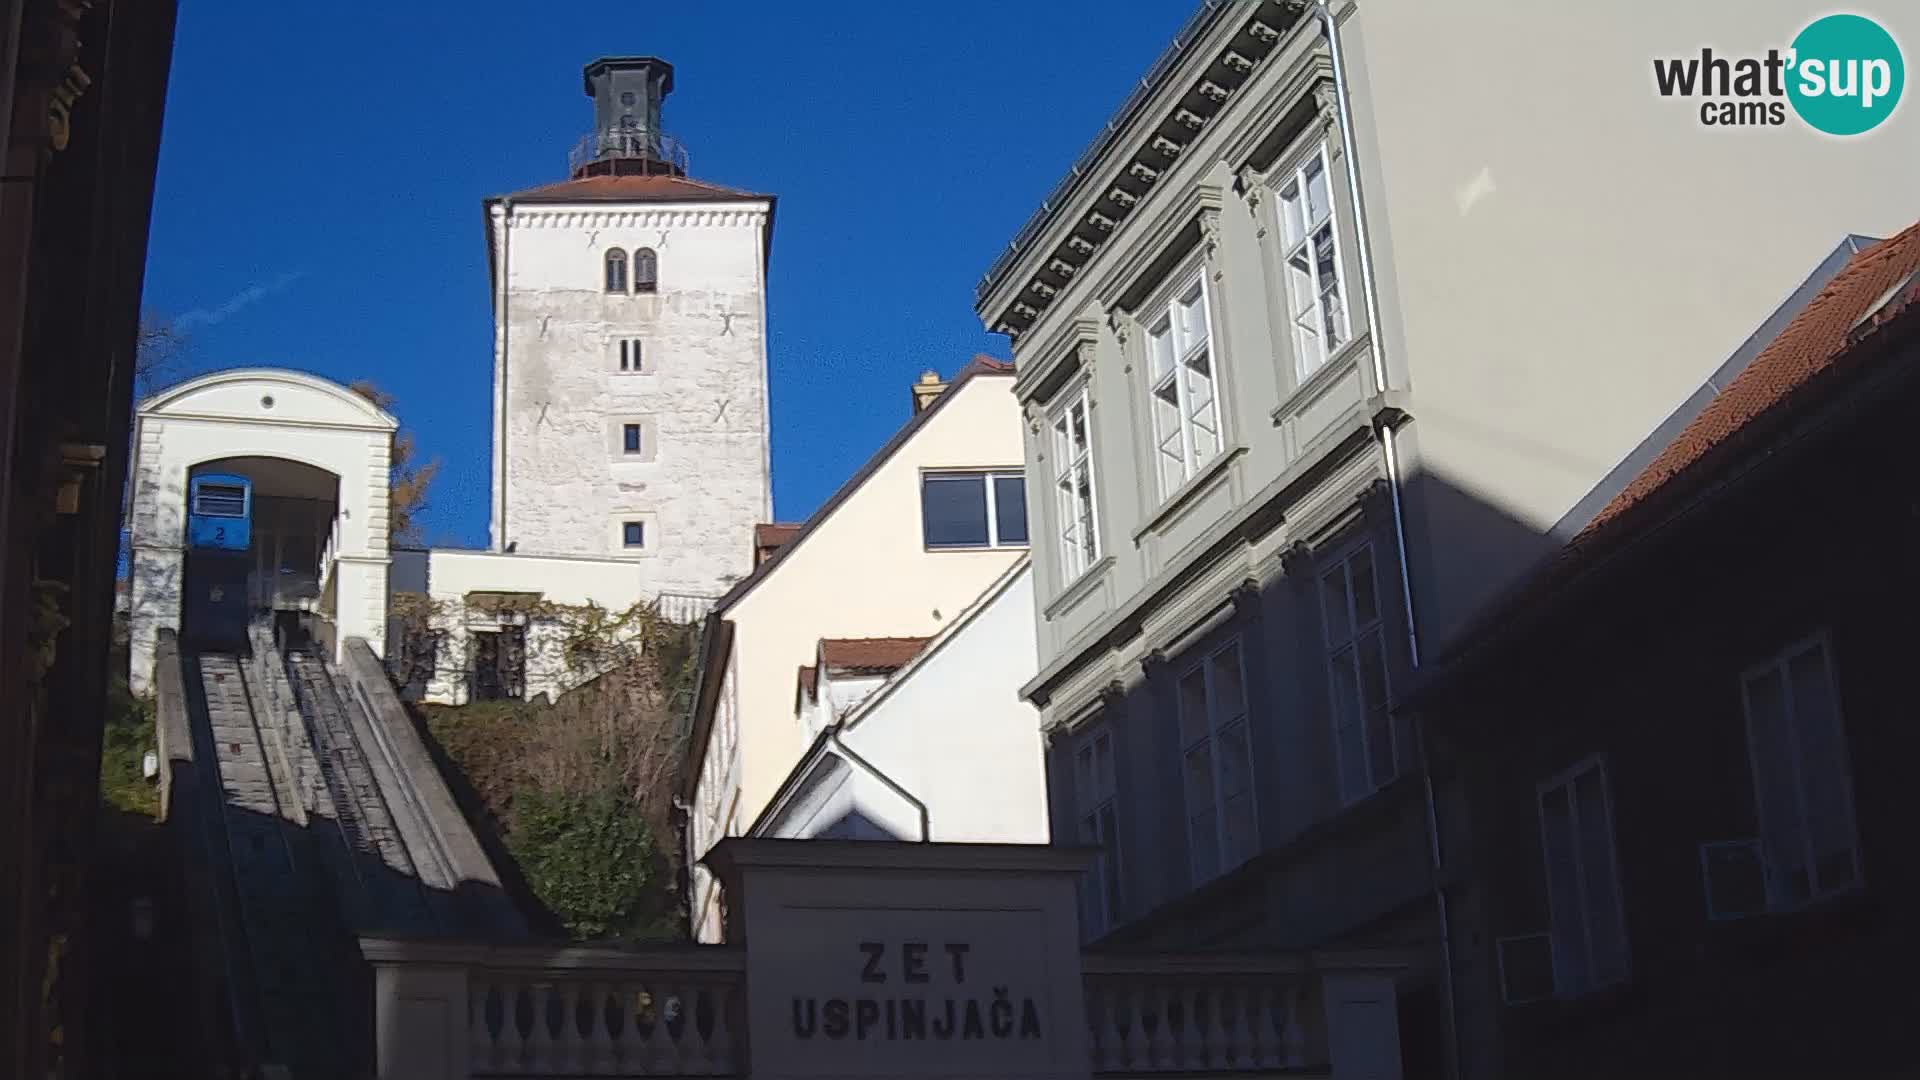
{"points": [[630, 352]]}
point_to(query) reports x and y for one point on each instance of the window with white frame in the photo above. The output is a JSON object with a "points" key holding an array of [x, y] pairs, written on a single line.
{"points": [[1095, 808], [1316, 297], [1588, 931], [1221, 831], [1074, 496], [973, 509], [1808, 845], [1363, 734], [1184, 392]]}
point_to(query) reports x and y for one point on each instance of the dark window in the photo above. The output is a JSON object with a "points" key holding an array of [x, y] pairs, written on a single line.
{"points": [[646, 270], [633, 534], [221, 500], [616, 271], [626, 97], [630, 354], [973, 509], [1010, 508], [630, 438]]}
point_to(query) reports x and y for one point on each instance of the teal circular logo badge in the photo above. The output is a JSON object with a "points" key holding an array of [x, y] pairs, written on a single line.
{"points": [[1846, 75]]}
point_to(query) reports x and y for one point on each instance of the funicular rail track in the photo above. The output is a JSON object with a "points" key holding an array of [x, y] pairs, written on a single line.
{"points": [[274, 887]]}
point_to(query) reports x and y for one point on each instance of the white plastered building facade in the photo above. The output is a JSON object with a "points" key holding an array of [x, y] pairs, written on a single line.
{"points": [[299, 438]]}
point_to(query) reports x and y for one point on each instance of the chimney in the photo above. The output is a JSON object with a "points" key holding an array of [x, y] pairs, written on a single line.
{"points": [[627, 92], [928, 388]]}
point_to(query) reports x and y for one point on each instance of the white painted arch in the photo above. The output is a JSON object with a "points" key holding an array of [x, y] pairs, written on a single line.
{"points": [[257, 413]]}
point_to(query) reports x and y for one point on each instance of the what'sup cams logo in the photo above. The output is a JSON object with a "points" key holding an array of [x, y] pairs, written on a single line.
{"points": [[1842, 75]]}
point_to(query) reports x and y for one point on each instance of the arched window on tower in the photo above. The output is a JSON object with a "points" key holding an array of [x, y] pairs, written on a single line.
{"points": [[646, 270], [616, 271]]}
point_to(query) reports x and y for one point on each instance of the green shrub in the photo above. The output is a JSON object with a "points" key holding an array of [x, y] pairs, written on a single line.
{"points": [[126, 740], [588, 855]]}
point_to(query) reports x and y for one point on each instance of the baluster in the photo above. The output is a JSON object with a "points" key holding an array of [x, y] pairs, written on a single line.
{"points": [[1096, 1026], [662, 1055], [697, 1060], [570, 1048], [510, 1053], [1153, 1025], [1226, 1025], [1263, 1039], [605, 1058], [480, 1042], [632, 1047], [1195, 1004], [1133, 1040], [539, 1037], [720, 1045], [1293, 1038]]}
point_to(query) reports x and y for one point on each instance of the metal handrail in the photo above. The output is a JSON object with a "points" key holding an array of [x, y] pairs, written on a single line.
{"points": [[617, 143]]}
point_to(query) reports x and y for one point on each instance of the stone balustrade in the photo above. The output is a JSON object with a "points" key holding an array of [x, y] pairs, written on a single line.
{"points": [[452, 1010], [536, 1010], [1189, 1014]]}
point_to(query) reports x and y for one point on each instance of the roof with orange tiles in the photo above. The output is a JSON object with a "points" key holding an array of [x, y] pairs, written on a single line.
{"points": [[658, 187], [869, 655], [1812, 342], [1875, 286]]}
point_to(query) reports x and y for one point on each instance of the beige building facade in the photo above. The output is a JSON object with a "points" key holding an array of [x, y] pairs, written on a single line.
{"points": [[862, 567]]}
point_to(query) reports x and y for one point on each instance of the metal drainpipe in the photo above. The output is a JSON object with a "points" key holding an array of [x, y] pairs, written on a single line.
{"points": [[686, 851], [1391, 459], [846, 752]]}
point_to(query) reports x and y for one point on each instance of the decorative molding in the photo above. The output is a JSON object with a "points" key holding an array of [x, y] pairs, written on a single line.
{"points": [[1062, 268], [1121, 324], [1153, 663], [1246, 597], [629, 217], [1238, 56], [1296, 559], [1210, 238], [1042, 289], [1153, 235]]}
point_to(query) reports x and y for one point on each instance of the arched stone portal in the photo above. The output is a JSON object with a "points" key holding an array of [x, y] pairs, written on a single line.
{"points": [[318, 455]]}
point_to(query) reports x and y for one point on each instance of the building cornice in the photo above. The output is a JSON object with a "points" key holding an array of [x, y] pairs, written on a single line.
{"points": [[638, 217], [1061, 240]]}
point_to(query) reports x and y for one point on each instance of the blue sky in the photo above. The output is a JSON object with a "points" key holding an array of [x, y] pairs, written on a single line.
{"points": [[323, 165]]}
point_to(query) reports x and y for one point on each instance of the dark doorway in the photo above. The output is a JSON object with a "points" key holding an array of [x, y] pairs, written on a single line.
{"points": [[499, 664]]}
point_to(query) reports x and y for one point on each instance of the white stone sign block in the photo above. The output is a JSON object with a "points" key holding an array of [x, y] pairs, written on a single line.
{"points": [[870, 959]]}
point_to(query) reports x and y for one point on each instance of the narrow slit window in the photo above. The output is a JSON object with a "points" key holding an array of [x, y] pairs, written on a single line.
{"points": [[630, 438], [632, 355]]}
